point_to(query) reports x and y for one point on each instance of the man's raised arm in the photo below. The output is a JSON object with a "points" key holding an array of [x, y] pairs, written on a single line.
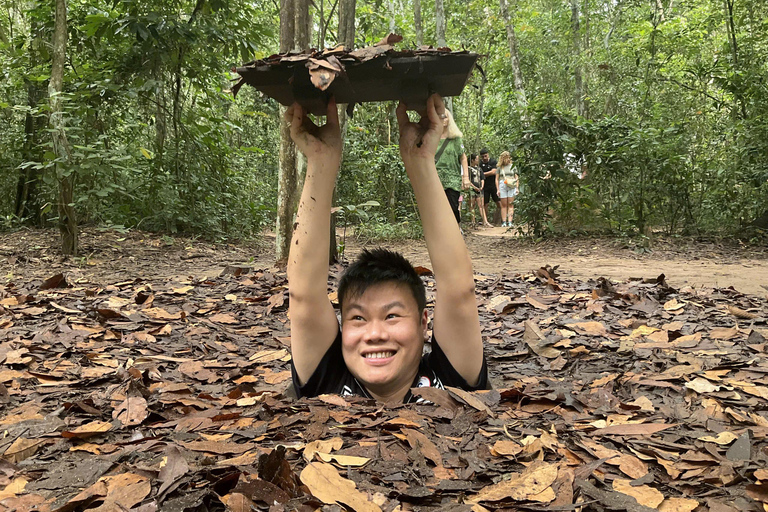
{"points": [[456, 321], [313, 321]]}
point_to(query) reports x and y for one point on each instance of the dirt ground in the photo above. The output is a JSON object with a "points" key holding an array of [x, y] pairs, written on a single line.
{"points": [[110, 256]]}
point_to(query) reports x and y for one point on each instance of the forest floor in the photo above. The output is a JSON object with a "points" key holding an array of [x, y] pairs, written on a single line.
{"points": [[150, 373], [108, 256]]}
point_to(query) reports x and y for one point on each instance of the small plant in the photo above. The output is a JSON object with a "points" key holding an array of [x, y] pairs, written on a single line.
{"points": [[348, 213]]}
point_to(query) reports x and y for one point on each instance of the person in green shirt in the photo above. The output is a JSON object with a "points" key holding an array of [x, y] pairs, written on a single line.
{"points": [[451, 163]]}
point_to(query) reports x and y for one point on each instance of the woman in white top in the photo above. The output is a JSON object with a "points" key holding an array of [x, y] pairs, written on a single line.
{"points": [[507, 183]]}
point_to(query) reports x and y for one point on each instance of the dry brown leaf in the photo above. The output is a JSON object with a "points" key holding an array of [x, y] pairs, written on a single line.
{"points": [[724, 333], [637, 429], [535, 479], [722, 438], [678, 505], [420, 442], [223, 318], [702, 385], [628, 464], [173, 467], [119, 492], [470, 399], [265, 356], [593, 328], [535, 339], [325, 483], [195, 370], [219, 448], [16, 486], [22, 449], [741, 313], [343, 460], [325, 446], [88, 430], [644, 403], [132, 411], [161, 314], [506, 448], [277, 377], [645, 495]]}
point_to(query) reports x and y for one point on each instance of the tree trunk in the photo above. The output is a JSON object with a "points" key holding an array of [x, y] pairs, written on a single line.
{"points": [[64, 173], [287, 175], [578, 75], [347, 38], [480, 106], [731, 29], [517, 74], [28, 205], [302, 35], [417, 22], [440, 34], [347, 23], [27, 202]]}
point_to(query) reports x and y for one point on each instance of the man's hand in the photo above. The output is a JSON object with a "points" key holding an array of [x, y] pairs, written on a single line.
{"points": [[418, 141], [320, 144]]}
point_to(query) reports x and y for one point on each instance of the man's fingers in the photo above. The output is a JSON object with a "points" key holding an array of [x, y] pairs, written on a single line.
{"points": [[298, 118], [434, 103], [288, 114], [402, 115], [332, 114]]}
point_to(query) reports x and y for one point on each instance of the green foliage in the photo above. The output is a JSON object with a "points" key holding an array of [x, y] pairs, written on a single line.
{"points": [[675, 135]]}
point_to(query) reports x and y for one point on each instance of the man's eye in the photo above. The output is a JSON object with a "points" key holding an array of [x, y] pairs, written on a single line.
{"points": [[357, 317], [392, 315]]}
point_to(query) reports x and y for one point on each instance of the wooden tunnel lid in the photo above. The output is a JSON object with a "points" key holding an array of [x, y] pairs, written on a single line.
{"points": [[373, 73]]}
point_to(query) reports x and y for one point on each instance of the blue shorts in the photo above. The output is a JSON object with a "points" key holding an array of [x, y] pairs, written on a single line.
{"points": [[506, 191]]}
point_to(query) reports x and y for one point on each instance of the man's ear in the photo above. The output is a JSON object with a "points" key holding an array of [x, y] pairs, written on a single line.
{"points": [[424, 323]]}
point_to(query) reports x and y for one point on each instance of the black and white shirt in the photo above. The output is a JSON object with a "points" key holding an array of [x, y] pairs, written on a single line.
{"points": [[333, 377]]}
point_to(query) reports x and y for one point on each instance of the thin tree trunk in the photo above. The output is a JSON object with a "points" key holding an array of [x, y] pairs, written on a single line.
{"points": [[417, 22], [585, 68], [302, 35], [517, 74], [480, 106], [731, 29], [287, 175], [440, 34], [347, 38], [578, 75], [28, 204], [347, 23], [64, 174], [440, 22]]}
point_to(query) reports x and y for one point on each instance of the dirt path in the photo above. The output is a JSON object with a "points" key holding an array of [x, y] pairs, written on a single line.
{"points": [[109, 256], [684, 262]]}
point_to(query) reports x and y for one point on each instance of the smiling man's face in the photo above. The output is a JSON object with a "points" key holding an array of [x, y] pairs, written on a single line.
{"points": [[382, 336]]}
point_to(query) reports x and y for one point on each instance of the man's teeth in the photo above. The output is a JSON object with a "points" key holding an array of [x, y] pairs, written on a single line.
{"points": [[379, 355]]}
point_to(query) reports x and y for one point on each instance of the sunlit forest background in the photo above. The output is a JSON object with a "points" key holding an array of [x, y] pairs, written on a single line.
{"points": [[666, 101]]}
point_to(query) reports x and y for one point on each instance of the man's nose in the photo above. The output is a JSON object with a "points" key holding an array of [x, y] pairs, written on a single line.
{"points": [[376, 332]]}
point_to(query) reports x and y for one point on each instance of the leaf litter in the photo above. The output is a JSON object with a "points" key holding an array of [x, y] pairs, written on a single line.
{"points": [[173, 395]]}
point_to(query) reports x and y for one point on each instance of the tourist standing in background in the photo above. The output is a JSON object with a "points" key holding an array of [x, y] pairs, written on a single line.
{"points": [[507, 183], [451, 163], [476, 183], [488, 167]]}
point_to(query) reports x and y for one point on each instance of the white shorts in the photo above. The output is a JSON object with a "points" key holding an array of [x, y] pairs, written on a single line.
{"points": [[507, 191]]}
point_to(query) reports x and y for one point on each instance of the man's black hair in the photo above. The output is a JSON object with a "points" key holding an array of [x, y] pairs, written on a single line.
{"points": [[376, 266], [472, 156], [484, 151]]}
